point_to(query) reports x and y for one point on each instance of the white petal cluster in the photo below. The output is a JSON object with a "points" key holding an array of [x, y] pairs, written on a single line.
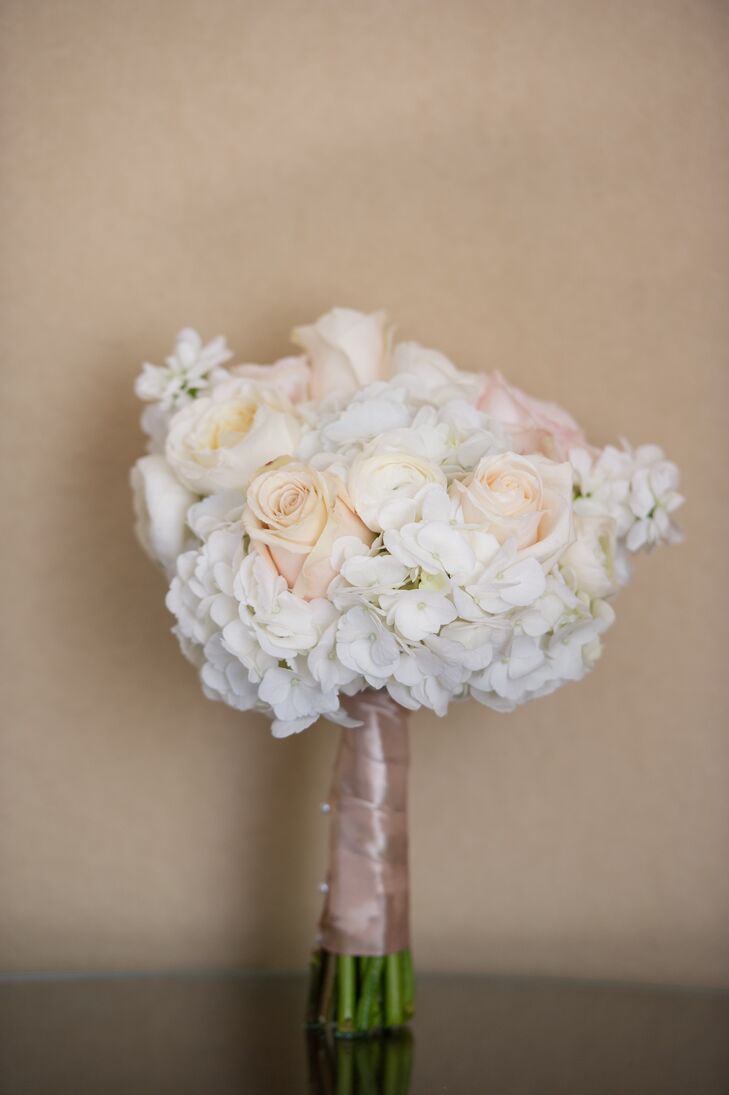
{"points": [[638, 488], [371, 516], [189, 370]]}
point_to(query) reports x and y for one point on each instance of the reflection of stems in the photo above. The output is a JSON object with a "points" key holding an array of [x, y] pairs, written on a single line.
{"points": [[371, 1066], [345, 1069]]}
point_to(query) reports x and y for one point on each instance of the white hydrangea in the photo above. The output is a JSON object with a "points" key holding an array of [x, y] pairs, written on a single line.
{"points": [[439, 564]]}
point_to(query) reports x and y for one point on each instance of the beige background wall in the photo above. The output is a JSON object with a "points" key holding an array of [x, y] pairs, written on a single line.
{"points": [[539, 187]]}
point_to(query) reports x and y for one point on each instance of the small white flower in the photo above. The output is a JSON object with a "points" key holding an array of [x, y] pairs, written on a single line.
{"points": [[415, 613], [284, 624], [436, 546], [186, 372], [506, 582], [296, 699], [224, 678], [366, 646], [652, 499], [200, 594], [221, 510], [325, 666]]}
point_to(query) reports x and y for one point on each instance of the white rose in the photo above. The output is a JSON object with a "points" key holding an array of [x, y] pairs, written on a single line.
{"points": [[291, 376], [218, 442], [294, 516], [160, 505], [527, 499], [430, 375], [385, 484], [347, 350], [588, 565]]}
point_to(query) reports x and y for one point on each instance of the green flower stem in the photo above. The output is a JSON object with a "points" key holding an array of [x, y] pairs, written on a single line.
{"points": [[327, 994], [369, 991], [360, 994], [347, 994], [393, 992], [408, 984], [316, 972]]}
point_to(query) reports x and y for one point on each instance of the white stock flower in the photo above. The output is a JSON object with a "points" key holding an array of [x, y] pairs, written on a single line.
{"points": [[346, 350], [653, 498], [186, 372], [602, 484], [218, 442], [637, 488], [160, 505]]}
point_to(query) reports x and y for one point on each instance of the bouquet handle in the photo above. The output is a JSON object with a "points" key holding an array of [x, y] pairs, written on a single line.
{"points": [[362, 976]]}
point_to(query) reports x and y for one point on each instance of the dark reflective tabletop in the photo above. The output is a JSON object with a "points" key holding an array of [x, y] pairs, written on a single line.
{"points": [[210, 1034]]}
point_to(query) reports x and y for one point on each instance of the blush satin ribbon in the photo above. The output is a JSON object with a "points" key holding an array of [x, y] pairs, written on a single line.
{"points": [[366, 911]]}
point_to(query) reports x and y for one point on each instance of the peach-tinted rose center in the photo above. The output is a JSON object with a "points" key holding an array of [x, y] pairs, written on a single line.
{"points": [[232, 423], [513, 494]]}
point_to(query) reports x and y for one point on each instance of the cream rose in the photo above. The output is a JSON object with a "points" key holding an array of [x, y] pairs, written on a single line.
{"points": [[384, 485], [160, 509], [589, 564], [347, 350], [527, 499], [291, 376], [532, 424], [294, 515], [219, 441]]}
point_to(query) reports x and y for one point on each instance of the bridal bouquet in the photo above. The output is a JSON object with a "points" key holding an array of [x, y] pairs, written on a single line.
{"points": [[364, 529]]}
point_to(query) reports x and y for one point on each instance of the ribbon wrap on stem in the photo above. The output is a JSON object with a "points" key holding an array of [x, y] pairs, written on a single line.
{"points": [[366, 911]]}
